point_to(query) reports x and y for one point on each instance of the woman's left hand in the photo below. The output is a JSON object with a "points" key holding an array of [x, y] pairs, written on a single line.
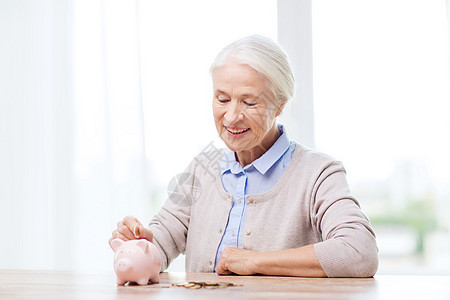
{"points": [[236, 260]]}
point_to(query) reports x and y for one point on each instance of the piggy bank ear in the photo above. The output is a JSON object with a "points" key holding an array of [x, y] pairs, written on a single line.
{"points": [[143, 244], [116, 243]]}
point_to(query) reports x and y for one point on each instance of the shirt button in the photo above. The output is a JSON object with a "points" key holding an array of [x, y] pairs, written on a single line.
{"points": [[239, 201], [220, 230], [248, 232], [232, 233], [210, 263]]}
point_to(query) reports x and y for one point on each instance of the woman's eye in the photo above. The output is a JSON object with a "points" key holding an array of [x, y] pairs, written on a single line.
{"points": [[249, 103], [223, 100]]}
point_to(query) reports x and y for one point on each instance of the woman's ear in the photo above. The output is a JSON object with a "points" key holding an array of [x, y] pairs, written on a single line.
{"points": [[281, 105]]}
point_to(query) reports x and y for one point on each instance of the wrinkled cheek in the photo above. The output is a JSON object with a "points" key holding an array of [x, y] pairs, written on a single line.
{"points": [[219, 127], [216, 119]]}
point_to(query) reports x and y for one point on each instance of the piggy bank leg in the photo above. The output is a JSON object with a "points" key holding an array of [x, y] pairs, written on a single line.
{"points": [[154, 278], [143, 281], [120, 282]]}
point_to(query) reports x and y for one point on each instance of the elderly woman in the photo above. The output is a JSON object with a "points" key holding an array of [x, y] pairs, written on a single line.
{"points": [[265, 205]]}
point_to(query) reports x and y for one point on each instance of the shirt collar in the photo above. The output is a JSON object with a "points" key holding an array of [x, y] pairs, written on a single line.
{"points": [[262, 164]]}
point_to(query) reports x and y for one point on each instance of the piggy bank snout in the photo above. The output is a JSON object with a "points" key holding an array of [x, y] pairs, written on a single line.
{"points": [[124, 265]]}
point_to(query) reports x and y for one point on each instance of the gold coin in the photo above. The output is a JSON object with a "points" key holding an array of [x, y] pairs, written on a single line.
{"points": [[195, 286], [206, 285], [136, 232], [225, 284], [211, 286], [179, 284]]}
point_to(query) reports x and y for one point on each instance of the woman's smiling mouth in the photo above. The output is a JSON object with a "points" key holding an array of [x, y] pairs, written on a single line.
{"points": [[237, 131]]}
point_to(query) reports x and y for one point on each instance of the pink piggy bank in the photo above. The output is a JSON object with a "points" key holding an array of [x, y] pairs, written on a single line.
{"points": [[136, 261]]}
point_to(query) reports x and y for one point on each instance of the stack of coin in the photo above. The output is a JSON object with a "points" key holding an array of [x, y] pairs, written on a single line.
{"points": [[207, 285]]}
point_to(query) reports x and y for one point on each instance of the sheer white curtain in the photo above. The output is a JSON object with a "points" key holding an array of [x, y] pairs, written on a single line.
{"points": [[112, 173], [36, 125], [72, 157]]}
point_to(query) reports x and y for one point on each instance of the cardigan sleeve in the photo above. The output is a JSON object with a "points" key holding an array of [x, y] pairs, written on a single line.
{"points": [[170, 225], [348, 247]]}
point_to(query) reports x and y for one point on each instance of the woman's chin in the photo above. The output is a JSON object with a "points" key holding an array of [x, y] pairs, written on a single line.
{"points": [[236, 143], [233, 146]]}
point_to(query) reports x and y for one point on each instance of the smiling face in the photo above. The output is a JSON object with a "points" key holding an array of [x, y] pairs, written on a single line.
{"points": [[245, 111]]}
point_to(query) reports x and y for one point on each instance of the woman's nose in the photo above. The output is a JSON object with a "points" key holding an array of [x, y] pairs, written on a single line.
{"points": [[234, 113]]}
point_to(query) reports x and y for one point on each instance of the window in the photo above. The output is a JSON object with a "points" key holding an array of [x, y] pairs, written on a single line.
{"points": [[381, 95]]}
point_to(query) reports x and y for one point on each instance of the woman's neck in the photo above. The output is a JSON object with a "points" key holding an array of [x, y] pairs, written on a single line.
{"points": [[246, 157]]}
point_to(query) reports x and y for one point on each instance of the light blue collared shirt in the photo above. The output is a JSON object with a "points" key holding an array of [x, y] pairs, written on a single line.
{"points": [[255, 178]]}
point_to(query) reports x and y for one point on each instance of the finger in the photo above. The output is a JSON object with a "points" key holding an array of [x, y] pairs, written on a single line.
{"points": [[131, 222], [117, 235], [221, 270], [124, 237], [145, 233], [127, 227], [221, 267], [224, 272], [123, 232], [114, 234]]}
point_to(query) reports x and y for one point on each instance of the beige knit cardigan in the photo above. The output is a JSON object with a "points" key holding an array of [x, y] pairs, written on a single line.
{"points": [[311, 204]]}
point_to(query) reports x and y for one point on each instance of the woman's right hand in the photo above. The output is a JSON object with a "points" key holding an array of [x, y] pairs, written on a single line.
{"points": [[131, 229]]}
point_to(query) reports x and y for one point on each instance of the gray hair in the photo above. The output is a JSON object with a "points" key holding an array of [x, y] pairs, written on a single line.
{"points": [[264, 56]]}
